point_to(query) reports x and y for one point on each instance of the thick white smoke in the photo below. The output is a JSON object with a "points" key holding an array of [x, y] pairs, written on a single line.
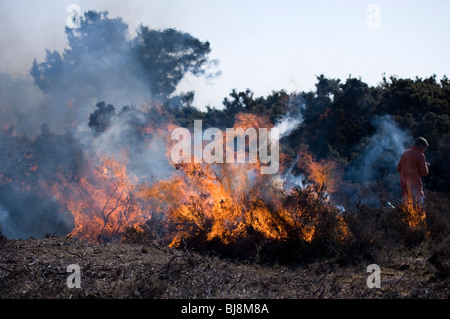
{"points": [[382, 151], [46, 125]]}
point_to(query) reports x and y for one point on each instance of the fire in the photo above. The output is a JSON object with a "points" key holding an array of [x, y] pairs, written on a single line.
{"points": [[217, 201], [414, 214], [323, 172], [227, 201], [197, 200], [102, 202]]}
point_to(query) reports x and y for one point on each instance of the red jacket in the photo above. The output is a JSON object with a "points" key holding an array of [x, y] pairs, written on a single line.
{"points": [[412, 166]]}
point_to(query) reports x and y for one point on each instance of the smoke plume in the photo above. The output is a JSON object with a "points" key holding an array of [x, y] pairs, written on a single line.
{"points": [[97, 100]]}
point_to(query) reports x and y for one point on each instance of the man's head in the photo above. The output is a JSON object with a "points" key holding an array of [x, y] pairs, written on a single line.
{"points": [[421, 143]]}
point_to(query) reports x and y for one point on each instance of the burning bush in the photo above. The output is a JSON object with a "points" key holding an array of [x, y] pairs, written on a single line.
{"points": [[264, 226]]}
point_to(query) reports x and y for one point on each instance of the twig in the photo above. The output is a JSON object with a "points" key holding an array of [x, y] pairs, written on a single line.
{"points": [[73, 254], [5, 268], [155, 245], [237, 282], [167, 267], [393, 286]]}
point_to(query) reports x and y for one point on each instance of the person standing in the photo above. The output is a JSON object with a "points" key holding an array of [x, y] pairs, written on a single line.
{"points": [[412, 167]]}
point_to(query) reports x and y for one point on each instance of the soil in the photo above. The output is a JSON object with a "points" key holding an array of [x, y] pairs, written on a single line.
{"points": [[37, 268]]}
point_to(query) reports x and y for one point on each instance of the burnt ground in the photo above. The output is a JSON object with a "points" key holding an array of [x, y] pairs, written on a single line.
{"points": [[37, 268]]}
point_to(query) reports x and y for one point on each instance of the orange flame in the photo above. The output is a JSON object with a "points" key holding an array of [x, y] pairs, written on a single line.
{"points": [[217, 201], [414, 214], [224, 201], [102, 203], [323, 172]]}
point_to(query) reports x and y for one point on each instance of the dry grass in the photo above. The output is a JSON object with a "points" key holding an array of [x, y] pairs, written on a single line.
{"points": [[414, 263], [37, 269]]}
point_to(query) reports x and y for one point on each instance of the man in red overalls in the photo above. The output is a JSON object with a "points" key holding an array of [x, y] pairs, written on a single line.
{"points": [[412, 167]]}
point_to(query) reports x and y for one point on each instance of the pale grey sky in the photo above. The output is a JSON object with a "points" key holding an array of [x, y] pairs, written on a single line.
{"points": [[261, 45]]}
